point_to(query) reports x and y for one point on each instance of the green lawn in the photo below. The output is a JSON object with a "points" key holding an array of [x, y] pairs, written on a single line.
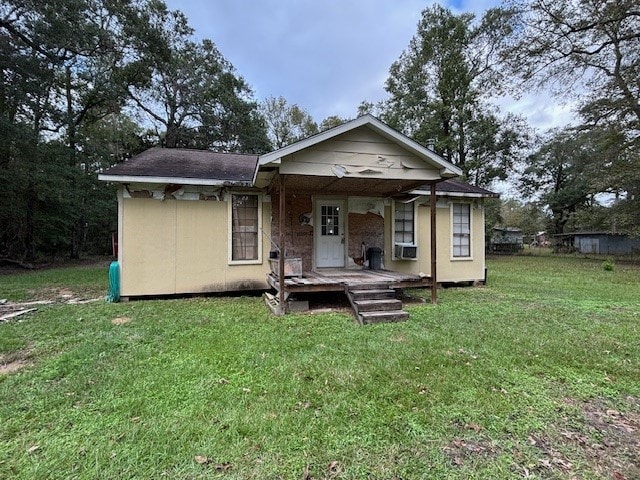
{"points": [[536, 375]]}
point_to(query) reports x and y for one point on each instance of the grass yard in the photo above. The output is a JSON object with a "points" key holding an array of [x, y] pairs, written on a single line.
{"points": [[536, 375]]}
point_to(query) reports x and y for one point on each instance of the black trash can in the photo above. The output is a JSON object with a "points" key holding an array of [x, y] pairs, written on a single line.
{"points": [[374, 255]]}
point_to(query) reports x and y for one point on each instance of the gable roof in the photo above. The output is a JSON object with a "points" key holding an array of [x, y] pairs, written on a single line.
{"points": [[186, 167], [446, 169]]}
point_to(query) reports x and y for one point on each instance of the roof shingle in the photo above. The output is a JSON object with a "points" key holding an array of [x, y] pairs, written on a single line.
{"points": [[182, 163]]}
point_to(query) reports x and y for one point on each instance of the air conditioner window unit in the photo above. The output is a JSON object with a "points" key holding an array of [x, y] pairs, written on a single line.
{"points": [[406, 250]]}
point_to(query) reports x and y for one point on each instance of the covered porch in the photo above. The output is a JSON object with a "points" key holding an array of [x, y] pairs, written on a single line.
{"points": [[337, 196]]}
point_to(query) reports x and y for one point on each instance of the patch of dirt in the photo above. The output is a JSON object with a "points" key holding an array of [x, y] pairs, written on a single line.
{"points": [[461, 450], [63, 295], [605, 440], [616, 453], [14, 361], [120, 320]]}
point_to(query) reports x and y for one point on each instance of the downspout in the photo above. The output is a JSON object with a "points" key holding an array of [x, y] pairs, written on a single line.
{"points": [[432, 214]]}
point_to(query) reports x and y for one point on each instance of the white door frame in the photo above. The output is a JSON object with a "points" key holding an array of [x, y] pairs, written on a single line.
{"points": [[318, 201]]}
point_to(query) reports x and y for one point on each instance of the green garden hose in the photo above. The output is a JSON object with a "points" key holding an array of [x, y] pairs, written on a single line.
{"points": [[114, 283]]}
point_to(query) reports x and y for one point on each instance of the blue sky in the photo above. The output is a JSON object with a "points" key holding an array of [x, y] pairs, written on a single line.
{"points": [[328, 55]]}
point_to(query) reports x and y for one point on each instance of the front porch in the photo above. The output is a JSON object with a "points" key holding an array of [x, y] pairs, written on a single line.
{"points": [[339, 279], [373, 294]]}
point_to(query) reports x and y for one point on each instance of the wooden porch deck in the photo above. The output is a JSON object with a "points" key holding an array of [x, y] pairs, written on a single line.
{"points": [[340, 279]]}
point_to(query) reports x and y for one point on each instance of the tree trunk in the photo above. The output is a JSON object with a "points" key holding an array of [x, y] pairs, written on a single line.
{"points": [[171, 138]]}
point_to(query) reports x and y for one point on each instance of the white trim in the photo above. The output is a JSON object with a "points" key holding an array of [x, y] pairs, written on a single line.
{"points": [[229, 200], [451, 256], [446, 169], [393, 230], [449, 194], [172, 180]]}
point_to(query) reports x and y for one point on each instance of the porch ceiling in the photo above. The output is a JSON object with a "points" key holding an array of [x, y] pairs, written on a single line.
{"points": [[354, 186]]}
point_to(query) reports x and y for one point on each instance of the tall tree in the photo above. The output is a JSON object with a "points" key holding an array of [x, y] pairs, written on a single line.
{"points": [[557, 175], [587, 48], [286, 123], [193, 95], [439, 87], [588, 51]]}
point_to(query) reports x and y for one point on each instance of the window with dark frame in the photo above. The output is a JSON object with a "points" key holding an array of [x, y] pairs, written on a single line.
{"points": [[461, 230], [330, 220], [244, 227], [404, 222]]}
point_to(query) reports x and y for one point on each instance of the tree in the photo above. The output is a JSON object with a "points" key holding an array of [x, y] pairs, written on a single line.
{"points": [[583, 47], [438, 88], [331, 122], [558, 174], [64, 74], [192, 93], [527, 216], [587, 51], [286, 123]]}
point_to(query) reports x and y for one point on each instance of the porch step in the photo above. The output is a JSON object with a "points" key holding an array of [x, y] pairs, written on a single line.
{"points": [[374, 305], [372, 294], [378, 305], [384, 317]]}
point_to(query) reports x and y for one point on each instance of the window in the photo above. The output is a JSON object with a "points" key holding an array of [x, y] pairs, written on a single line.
{"points": [[330, 220], [461, 230], [245, 228], [403, 222]]}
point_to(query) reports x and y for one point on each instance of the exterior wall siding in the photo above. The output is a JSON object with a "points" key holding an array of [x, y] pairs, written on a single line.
{"points": [[449, 270], [181, 246]]}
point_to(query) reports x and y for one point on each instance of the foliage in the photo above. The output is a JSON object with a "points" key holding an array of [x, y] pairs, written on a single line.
{"points": [[490, 383], [587, 51], [528, 217], [438, 90], [557, 172], [192, 92], [77, 75], [286, 123], [608, 265]]}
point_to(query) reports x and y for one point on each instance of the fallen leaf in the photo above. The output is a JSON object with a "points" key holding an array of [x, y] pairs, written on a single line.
{"points": [[120, 320], [473, 426], [334, 467], [201, 459], [33, 448]]}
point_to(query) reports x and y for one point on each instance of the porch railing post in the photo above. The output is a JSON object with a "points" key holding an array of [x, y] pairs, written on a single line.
{"points": [[432, 212], [281, 235]]}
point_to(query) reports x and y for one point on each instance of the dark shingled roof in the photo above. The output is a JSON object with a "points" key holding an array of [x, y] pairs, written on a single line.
{"points": [[233, 168], [458, 186]]}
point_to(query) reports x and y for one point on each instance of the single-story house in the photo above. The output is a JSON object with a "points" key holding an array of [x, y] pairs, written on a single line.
{"points": [[600, 243], [359, 205]]}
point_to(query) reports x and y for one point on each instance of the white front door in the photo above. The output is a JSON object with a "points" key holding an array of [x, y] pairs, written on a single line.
{"points": [[329, 233]]}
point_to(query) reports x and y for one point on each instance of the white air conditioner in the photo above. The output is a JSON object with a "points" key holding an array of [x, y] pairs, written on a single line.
{"points": [[406, 250]]}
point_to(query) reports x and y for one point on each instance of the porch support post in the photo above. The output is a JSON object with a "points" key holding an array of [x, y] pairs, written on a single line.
{"points": [[432, 212], [281, 240]]}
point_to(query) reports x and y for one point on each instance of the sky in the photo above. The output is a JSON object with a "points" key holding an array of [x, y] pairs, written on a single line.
{"points": [[327, 56]]}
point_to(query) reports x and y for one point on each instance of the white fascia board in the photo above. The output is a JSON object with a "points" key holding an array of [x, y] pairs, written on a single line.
{"points": [[448, 194], [172, 180]]}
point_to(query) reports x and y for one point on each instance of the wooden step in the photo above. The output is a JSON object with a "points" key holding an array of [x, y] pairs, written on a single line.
{"points": [[384, 317], [378, 305], [372, 294]]}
